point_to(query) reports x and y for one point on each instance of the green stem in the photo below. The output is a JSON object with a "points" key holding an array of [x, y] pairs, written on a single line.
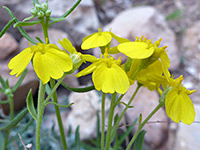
{"points": [[124, 111], [45, 30], [40, 111], [11, 103], [59, 119], [110, 118], [142, 125], [55, 87], [103, 120]]}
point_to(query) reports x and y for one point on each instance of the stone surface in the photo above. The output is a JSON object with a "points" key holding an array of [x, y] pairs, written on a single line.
{"points": [[188, 135], [191, 58], [29, 82], [144, 102], [146, 21], [8, 45], [83, 113]]}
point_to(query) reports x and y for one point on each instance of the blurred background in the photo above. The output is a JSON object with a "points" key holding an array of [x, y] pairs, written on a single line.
{"points": [[177, 22]]}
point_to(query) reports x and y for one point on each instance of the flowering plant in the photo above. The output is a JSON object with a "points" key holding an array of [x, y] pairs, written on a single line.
{"points": [[147, 65]]}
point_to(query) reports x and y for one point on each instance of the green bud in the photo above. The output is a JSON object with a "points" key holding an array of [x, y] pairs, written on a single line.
{"points": [[77, 60], [34, 12], [44, 6], [40, 14], [38, 7], [8, 92], [48, 12]]}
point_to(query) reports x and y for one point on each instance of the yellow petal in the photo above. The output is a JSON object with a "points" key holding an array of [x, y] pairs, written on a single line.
{"points": [[66, 44], [61, 58], [19, 63], [110, 79], [136, 50], [96, 40], [87, 70], [179, 107], [90, 58], [165, 62]]}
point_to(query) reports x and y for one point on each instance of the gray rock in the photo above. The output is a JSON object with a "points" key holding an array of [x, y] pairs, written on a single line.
{"points": [[146, 21], [8, 45], [29, 82], [188, 135], [144, 102]]}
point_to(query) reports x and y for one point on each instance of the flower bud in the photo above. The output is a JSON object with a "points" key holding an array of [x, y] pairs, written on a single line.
{"points": [[40, 14], [34, 12], [44, 6], [48, 12]]}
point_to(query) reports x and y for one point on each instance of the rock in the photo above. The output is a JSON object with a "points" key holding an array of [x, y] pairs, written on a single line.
{"points": [[29, 82], [191, 57], [146, 21], [8, 45], [188, 135], [144, 102], [83, 113]]}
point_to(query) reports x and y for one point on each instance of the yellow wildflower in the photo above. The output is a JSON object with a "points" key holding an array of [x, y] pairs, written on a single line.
{"points": [[48, 61], [107, 75], [179, 106]]}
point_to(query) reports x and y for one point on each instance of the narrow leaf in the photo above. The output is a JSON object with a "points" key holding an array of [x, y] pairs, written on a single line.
{"points": [[3, 83], [20, 80], [4, 102], [57, 19], [139, 141], [21, 30], [39, 39], [59, 104], [2, 146], [7, 27], [15, 121], [22, 23], [1, 90], [77, 139], [30, 105], [81, 90]]}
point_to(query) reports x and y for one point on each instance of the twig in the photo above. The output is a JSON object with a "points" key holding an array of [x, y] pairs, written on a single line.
{"points": [[22, 141]]}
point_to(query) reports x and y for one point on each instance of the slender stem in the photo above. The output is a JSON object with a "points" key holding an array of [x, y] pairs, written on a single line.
{"points": [[59, 119], [55, 87], [124, 111], [11, 103], [40, 111], [110, 118], [103, 120], [142, 125]]}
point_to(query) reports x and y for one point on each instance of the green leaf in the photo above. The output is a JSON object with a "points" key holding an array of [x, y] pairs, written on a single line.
{"points": [[139, 141], [20, 80], [21, 132], [30, 105], [58, 104], [21, 30], [7, 27], [2, 147], [3, 83], [125, 104], [1, 90], [77, 139], [15, 121], [4, 102], [39, 39], [22, 23], [57, 19], [177, 14], [78, 90]]}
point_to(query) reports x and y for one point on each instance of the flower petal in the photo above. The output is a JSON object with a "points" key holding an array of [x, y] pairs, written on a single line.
{"points": [[66, 44], [136, 50], [110, 79], [19, 63], [96, 40], [179, 107]]}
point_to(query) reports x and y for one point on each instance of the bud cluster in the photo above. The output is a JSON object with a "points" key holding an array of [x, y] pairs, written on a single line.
{"points": [[41, 10]]}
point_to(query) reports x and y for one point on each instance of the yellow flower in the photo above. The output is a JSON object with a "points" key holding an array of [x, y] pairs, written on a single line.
{"points": [[48, 61], [107, 75], [146, 51], [179, 106]]}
